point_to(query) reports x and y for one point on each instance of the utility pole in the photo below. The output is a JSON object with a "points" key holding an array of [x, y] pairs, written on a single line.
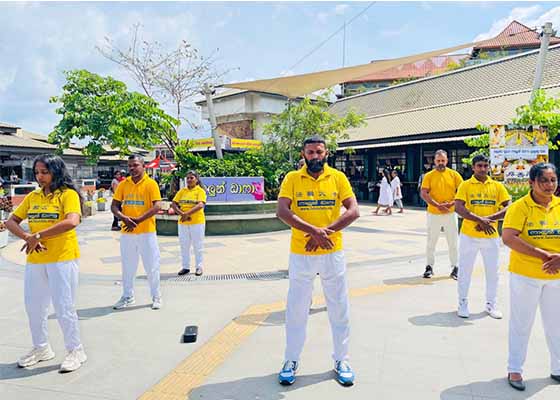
{"points": [[344, 46], [546, 33], [208, 91]]}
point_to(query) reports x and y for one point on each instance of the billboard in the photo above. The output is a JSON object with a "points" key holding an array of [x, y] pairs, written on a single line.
{"points": [[234, 189], [513, 150]]}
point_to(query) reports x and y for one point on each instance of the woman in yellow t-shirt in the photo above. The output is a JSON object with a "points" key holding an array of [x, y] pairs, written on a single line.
{"points": [[189, 204], [532, 231], [51, 274]]}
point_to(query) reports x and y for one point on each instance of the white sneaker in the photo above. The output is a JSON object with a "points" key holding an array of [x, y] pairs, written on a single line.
{"points": [[463, 309], [74, 360], [493, 311], [36, 355], [156, 305], [124, 302]]}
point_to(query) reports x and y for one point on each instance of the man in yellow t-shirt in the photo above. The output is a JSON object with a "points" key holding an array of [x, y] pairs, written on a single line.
{"points": [[309, 201], [438, 190], [481, 201], [136, 202]]}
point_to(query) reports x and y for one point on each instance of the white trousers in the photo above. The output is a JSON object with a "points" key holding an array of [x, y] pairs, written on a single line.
{"points": [[449, 224], [191, 235], [526, 294], [134, 246], [332, 271], [468, 249], [56, 283]]}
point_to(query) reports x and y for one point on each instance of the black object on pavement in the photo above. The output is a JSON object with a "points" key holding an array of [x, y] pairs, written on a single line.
{"points": [[189, 336]]}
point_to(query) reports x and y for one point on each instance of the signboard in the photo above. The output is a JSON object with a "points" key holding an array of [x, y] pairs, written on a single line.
{"points": [[205, 143], [233, 189], [245, 143], [513, 150]]}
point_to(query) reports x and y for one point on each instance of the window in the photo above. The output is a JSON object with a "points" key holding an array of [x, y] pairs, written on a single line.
{"points": [[390, 161]]}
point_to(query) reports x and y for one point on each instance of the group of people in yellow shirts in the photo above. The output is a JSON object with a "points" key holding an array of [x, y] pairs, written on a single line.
{"points": [[54, 211], [309, 201]]}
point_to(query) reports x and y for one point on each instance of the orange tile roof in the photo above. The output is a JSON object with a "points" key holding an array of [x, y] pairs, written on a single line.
{"points": [[516, 35], [418, 69]]}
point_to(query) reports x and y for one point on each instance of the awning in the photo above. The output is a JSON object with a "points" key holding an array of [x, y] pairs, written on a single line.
{"points": [[409, 142], [300, 85], [154, 163]]}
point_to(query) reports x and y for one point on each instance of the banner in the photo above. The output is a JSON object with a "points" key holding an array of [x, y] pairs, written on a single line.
{"points": [[513, 150], [233, 189], [245, 143], [206, 142]]}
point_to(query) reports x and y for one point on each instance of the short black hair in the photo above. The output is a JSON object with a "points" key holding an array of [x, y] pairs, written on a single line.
{"points": [[537, 170], [136, 157], [314, 139], [479, 158]]}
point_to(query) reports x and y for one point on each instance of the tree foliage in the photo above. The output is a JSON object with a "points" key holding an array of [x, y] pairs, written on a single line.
{"points": [[541, 110], [286, 132], [102, 110]]}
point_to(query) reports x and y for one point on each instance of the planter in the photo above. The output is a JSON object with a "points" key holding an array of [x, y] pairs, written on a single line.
{"points": [[4, 238], [88, 209], [101, 206]]}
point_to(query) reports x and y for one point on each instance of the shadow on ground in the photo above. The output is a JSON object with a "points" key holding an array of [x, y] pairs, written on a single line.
{"points": [[445, 319], [276, 318], [257, 387], [500, 390], [96, 312], [12, 371], [415, 280]]}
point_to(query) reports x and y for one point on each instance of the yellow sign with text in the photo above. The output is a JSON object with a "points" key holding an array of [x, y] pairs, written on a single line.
{"points": [[245, 144]]}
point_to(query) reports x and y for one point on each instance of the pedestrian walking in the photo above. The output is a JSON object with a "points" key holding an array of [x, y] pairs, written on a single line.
{"points": [[396, 187], [438, 190], [136, 202], [481, 201], [385, 194], [53, 212], [309, 201], [189, 204], [531, 231], [118, 178]]}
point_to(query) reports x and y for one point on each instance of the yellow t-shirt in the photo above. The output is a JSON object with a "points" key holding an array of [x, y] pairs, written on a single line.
{"points": [[136, 199], [442, 187], [42, 211], [187, 199], [482, 199], [540, 228], [316, 201]]}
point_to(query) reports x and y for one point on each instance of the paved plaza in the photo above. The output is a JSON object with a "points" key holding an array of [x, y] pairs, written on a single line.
{"points": [[406, 340]]}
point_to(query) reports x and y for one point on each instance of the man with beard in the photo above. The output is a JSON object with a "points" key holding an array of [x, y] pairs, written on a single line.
{"points": [[438, 190], [309, 201]]}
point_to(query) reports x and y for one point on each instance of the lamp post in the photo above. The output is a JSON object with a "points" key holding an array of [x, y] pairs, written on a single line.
{"points": [[208, 92]]}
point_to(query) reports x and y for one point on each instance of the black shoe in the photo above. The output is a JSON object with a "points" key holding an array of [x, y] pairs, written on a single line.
{"points": [[115, 228], [454, 273], [429, 272], [517, 385], [555, 377], [183, 272]]}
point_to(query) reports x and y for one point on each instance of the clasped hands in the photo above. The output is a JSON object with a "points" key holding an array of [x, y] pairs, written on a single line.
{"points": [[485, 225], [319, 239], [129, 223], [551, 263], [32, 244]]}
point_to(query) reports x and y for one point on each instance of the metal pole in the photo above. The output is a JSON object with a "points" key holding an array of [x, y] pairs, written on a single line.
{"points": [[212, 118], [290, 159], [344, 46], [546, 33]]}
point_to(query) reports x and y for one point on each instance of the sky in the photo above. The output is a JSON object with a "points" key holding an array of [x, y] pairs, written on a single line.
{"points": [[254, 40]]}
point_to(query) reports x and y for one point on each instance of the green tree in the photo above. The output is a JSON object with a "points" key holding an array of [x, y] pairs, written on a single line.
{"points": [[102, 111], [541, 110], [287, 130]]}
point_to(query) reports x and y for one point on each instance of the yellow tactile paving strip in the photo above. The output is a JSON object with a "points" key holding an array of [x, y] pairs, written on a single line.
{"points": [[193, 371]]}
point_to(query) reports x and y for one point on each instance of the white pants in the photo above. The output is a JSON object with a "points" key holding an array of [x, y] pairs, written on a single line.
{"points": [[468, 249], [191, 235], [56, 283], [449, 224], [526, 294], [134, 246], [332, 271]]}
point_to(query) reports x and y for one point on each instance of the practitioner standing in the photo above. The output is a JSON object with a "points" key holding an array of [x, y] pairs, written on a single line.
{"points": [[532, 231], [309, 201], [136, 202], [53, 212], [481, 201], [438, 190], [189, 204]]}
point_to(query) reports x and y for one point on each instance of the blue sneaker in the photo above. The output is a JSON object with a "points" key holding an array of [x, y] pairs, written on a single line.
{"points": [[344, 374], [287, 376]]}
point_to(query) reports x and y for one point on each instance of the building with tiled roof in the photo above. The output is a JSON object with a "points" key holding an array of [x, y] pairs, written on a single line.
{"points": [[406, 123]]}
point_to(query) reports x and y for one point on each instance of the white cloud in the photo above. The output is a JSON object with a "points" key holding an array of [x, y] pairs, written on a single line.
{"points": [[323, 17], [392, 33], [340, 9], [530, 16]]}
